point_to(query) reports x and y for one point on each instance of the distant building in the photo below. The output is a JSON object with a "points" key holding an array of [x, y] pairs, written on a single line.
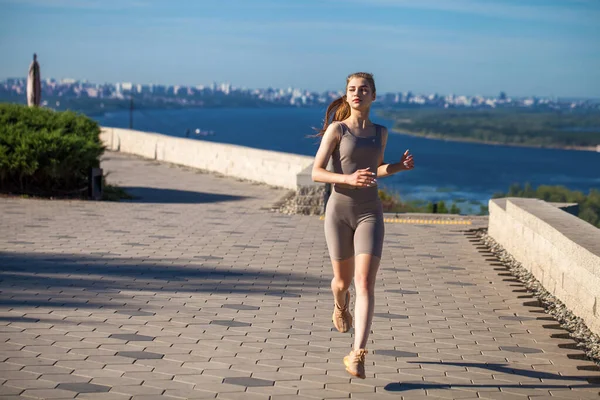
{"points": [[92, 92], [225, 87]]}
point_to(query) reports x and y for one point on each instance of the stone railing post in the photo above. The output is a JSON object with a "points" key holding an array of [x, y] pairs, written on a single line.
{"points": [[311, 197]]}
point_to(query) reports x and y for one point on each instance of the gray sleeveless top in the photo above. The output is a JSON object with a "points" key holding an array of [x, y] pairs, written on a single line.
{"points": [[355, 152]]}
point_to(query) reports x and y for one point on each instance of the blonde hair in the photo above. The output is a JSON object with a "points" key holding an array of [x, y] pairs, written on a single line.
{"points": [[339, 109]]}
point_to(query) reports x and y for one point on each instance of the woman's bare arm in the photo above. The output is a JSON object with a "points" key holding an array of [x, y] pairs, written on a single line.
{"points": [[406, 162], [329, 141]]}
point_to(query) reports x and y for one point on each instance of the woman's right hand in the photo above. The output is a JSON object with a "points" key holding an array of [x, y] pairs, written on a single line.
{"points": [[361, 178]]}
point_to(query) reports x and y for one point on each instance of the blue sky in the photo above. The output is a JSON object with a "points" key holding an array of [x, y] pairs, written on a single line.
{"points": [[524, 47]]}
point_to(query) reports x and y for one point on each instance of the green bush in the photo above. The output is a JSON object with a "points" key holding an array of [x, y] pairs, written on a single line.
{"points": [[46, 153], [454, 209], [391, 202]]}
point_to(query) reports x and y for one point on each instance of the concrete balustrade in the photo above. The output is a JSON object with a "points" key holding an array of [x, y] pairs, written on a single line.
{"points": [[271, 167], [559, 249]]}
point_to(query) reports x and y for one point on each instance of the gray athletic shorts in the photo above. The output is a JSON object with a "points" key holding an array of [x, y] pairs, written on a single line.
{"points": [[354, 223]]}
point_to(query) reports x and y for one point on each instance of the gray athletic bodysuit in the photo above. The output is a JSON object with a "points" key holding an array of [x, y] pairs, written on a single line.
{"points": [[354, 216]]}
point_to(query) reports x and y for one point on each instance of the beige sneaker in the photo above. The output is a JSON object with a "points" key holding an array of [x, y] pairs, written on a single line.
{"points": [[355, 363], [342, 319]]}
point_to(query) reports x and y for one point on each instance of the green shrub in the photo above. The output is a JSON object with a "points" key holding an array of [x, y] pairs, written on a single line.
{"points": [[454, 209], [391, 202], [43, 152], [441, 207]]}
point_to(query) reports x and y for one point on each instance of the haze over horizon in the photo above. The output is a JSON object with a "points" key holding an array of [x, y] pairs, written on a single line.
{"points": [[465, 47]]}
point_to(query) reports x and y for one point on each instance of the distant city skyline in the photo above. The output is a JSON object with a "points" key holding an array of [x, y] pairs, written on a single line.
{"points": [[71, 90], [464, 47], [134, 87]]}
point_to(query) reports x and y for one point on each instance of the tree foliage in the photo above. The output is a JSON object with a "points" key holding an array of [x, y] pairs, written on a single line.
{"points": [[551, 128], [391, 202]]}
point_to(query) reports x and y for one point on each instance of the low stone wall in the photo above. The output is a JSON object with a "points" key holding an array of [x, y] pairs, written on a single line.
{"points": [[290, 171], [559, 249], [270, 167]]}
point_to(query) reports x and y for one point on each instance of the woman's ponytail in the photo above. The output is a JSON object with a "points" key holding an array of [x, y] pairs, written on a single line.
{"points": [[338, 110]]}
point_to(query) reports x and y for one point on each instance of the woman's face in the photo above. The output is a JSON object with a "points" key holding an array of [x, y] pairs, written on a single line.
{"points": [[359, 94]]}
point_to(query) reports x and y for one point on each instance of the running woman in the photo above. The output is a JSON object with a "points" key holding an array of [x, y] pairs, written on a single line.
{"points": [[354, 227]]}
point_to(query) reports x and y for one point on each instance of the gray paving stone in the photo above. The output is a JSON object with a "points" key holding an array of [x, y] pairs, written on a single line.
{"points": [[231, 324], [460, 283], [515, 318], [450, 268], [282, 294], [83, 387], [240, 307], [402, 291], [248, 382], [136, 313], [140, 355], [132, 337], [518, 349], [396, 353], [390, 316]]}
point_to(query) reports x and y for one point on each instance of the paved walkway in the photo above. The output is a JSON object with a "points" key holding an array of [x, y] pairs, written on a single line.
{"points": [[196, 290]]}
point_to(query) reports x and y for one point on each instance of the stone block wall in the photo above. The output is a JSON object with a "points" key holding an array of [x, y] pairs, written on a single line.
{"points": [[559, 249]]}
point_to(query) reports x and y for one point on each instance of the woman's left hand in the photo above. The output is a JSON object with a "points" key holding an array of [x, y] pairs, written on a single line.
{"points": [[407, 162]]}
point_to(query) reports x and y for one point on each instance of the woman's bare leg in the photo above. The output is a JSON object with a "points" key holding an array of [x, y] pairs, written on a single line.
{"points": [[343, 272], [365, 272]]}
